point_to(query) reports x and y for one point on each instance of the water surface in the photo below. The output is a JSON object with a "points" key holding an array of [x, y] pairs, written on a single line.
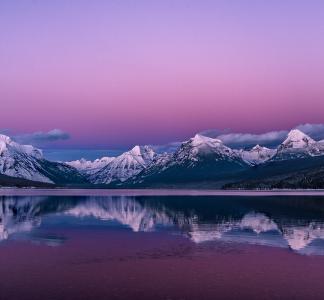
{"points": [[161, 247]]}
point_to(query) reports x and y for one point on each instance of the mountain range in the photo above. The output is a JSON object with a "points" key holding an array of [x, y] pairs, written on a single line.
{"points": [[200, 162]]}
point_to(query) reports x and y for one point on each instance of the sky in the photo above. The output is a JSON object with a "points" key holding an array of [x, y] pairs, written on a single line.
{"points": [[112, 74]]}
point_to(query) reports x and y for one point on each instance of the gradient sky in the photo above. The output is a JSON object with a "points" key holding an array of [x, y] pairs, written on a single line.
{"points": [[118, 73]]}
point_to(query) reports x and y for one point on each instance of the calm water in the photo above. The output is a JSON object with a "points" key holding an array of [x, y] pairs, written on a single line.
{"points": [[161, 247]]}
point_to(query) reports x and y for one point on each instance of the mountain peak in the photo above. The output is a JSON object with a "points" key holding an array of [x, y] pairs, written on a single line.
{"points": [[258, 148], [257, 155], [297, 134], [88, 166], [142, 151], [7, 144], [199, 139], [297, 139], [5, 139], [136, 150], [126, 165]]}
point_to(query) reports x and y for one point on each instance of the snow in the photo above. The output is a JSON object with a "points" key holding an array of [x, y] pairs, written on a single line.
{"points": [[143, 154], [20, 161], [257, 155], [88, 166], [297, 139], [7, 144], [24, 160], [199, 144], [5, 139], [298, 145], [199, 140], [136, 151], [125, 166]]}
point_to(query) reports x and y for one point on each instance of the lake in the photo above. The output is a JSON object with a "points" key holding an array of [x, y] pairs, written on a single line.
{"points": [[85, 244]]}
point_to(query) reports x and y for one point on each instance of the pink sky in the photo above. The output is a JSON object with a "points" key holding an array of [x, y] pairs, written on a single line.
{"points": [[117, 73]]}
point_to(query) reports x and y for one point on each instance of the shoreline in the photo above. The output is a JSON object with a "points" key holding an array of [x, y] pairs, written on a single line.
{"points": [[154, 192]]}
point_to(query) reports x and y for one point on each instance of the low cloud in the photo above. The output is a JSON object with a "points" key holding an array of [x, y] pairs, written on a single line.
{"points": [[168, 148], [270, 139], [5, 131], [40, 137], [215, 133], [316, 131]]}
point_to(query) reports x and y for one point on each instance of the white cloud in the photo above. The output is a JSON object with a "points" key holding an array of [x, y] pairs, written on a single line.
{"points": [[248, 139]]}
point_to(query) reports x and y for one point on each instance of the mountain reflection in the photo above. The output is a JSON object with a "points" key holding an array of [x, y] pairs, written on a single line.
{"points": [[294, 222]]}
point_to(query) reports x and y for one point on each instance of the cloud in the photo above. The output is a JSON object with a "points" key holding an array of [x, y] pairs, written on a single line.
{"points": [[214, 133], [5, 131], [247, 140], [270, 139], [169, 148], [40, 137], [316, 131]]}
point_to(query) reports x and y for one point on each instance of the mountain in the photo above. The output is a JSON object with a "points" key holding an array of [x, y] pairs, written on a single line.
{"points": [[200, 162], [20, 160], [27, 162], [90, 167], [200, 159], [297, 163], [207, 163], [257, 155], [298, 145], [124, 166]]}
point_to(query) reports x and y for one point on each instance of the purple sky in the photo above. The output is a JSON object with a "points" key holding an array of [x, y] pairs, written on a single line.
{"points": [[117, 73]]}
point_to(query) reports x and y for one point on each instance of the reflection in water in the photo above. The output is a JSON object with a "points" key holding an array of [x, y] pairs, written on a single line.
{"points": [[294, 222]]}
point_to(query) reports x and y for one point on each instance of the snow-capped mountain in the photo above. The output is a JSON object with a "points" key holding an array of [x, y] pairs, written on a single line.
{"points": [[25, 161], [158, 165], [21, 161], [199, 158], [208, 162], [257, 155], [88, 166], [201, 145], [124, 166], [297, 139], [298, 145]]}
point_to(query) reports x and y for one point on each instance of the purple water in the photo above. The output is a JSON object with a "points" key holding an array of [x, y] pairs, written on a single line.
{"points": [[161, 247]]}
